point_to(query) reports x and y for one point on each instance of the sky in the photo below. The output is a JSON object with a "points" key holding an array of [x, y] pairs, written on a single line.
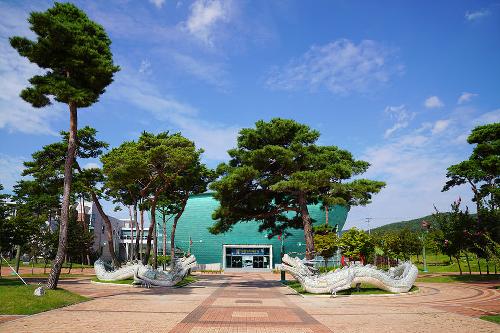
{"points": [[399, 84]]}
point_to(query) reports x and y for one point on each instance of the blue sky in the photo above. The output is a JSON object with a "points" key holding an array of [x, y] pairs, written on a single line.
{"points": [[399, 84]]}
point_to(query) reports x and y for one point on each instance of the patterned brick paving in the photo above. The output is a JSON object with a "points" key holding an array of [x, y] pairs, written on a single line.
{"points": [[248, 303], [232, 308]]}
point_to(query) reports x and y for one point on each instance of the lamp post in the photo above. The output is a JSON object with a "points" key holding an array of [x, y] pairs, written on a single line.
{"points": [[425, 226], [283, 277]]}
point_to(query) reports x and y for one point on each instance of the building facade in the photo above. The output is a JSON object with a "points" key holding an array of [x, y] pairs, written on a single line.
{"points": [[243, 248]]}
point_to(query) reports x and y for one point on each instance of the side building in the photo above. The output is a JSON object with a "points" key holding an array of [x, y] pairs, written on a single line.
{"points": [[243, 248]]}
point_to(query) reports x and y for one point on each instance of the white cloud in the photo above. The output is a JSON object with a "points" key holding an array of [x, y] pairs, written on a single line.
{"points": [[433, 102], [476, 15], [157, 3], [488, 118], [440, 126], [205, 16], [465, 97], [413, 163], [92, 165], [401, 116], [10, 170], [215, 138], [341, 67], [16, 115], [414, 167], [211, 73], [145, 67]]}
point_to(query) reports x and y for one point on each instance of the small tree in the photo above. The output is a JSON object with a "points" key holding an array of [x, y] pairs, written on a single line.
{"points": [[356, 244], [76, 53], [453, 235], [326, 241]]}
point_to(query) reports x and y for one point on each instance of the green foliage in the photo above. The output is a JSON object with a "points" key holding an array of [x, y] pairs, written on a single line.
{"points": [[413, 225], [482, 170], [453, 230], [356, 243], [276, 170], [74, 51], [18, 299], [80, 239], [164, 260], [325, 241], [399, 243]]}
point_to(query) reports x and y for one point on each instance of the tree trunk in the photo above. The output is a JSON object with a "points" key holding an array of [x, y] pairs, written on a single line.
{"points": [[468, 263], [164, 239], [326, 214], [141, 234], [131, 254], [152, 225], [418, 260], [172, 234], [114, 260], [68, 177], [70, 266], [458, 262], [18, 257], [155, 245], [137, 233], [45, 266], [306, 221], [487, 267], [479, 266]]}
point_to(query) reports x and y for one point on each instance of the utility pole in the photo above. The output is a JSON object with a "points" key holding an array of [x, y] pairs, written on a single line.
{"points": [[368, 219]]}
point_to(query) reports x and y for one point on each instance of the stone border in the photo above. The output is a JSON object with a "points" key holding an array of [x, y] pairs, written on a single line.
{"points": [[331, 296]]}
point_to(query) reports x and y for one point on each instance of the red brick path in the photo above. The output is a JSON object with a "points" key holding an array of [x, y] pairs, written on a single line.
{"points": [[249, 305]]}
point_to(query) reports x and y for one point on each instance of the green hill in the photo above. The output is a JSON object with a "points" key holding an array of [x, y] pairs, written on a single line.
{"points": [[413, 225]]}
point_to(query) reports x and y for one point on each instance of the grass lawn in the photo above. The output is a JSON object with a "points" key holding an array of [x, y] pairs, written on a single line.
{"points": [[187, 280], [441, 264], [126, 281], [18, 299], [459, 278], [62, 276], [366, 289], [493, 319]]}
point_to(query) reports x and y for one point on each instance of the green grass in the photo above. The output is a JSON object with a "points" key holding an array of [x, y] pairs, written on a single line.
{"points": [[366, 289], [459, 278], [188, 279], [493, 319], [40, 264], [18, 299], [441, 264], [126, 281], [41, 275]]}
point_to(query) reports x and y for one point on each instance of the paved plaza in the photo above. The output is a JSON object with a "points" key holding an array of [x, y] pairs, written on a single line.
{"points": [[244, 303]]}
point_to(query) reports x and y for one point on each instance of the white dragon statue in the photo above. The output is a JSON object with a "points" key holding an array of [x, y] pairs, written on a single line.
{"points": [[398, 279], [144, 274]]}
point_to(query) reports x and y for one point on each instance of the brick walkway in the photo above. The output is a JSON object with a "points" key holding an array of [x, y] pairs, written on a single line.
{"points": [[247, 303]]}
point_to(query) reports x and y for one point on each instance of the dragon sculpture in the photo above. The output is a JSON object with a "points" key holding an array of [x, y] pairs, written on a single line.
{"points": [[398, 279], [145, 275]]}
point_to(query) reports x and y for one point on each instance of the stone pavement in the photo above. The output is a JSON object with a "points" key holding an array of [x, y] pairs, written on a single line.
{"points": [[245, 303]]}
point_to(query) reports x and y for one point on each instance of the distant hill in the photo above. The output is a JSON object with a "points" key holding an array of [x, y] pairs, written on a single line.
{"points": [[413, 225]]}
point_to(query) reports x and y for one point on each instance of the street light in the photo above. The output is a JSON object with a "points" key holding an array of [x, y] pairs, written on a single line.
{"points": [[425, 226]]}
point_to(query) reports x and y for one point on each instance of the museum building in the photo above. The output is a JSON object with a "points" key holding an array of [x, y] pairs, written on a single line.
{"points": [[242, 248]]}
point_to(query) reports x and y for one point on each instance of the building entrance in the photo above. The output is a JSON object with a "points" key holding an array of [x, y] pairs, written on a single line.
{"points": [[246, 257]]}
